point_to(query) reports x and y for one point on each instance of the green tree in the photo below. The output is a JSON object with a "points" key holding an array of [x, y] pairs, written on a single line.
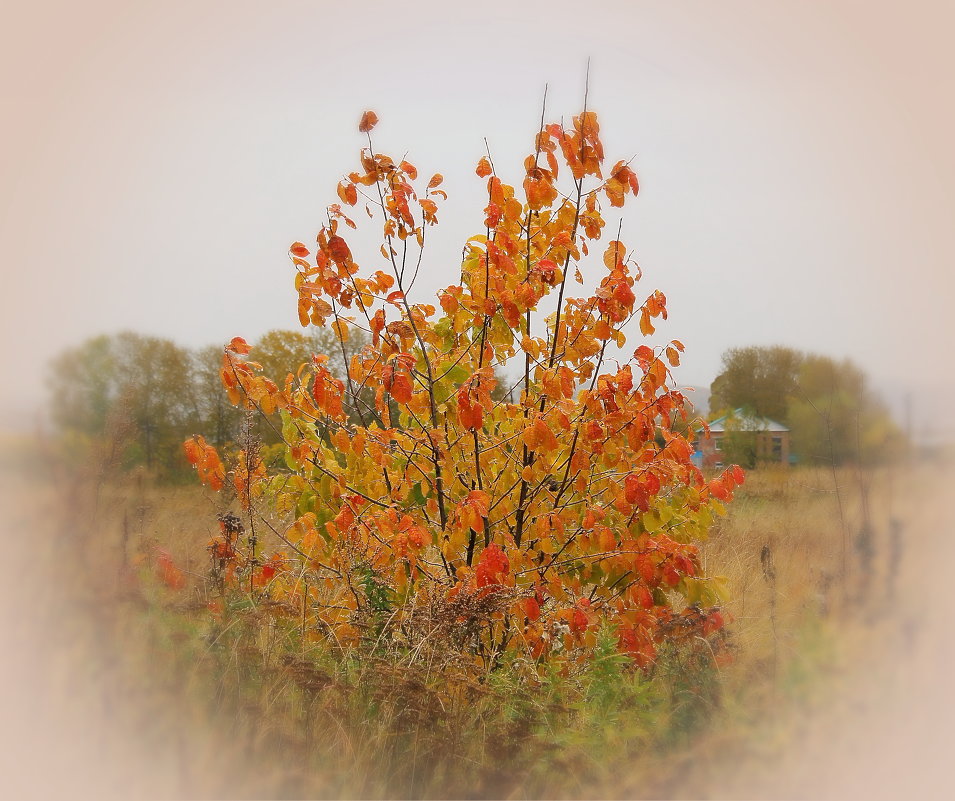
{"points": [[825, 403], [738, 444], [146, 380], [281, 352], [834, 417], [212, 412], [758, 379], [82, 387]]}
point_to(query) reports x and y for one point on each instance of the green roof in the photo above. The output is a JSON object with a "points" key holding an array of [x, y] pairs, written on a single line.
{"points": [[745, 421]]}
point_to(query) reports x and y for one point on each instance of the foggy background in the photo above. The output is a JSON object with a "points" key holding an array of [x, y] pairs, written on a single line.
{"points": [[794, 158], [797, 181]]}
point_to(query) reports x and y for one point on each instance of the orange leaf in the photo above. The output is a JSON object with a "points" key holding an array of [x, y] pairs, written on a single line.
{"points": [[436, 180], [377, 324], [368, 121], [479, 500], [401, 387], [348, 194], [636, 493], [191, 447], [169, 573], [483, 168], [298, 249], [615, 253], [238, 345]]}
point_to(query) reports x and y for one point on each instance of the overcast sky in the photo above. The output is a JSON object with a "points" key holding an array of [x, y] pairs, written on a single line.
{"points": [[795, 158]]}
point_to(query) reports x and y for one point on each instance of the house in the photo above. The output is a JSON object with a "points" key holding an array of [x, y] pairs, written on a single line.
{"points": [[742, 438]]}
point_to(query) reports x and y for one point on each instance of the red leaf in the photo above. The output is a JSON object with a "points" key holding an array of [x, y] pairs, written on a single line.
{"points": [[298, 249], [642, 596], [339, 249], [712, 622], [169, 573], [492, 566], [532, 609], [646, 568], [578, 622], [636, 492]]}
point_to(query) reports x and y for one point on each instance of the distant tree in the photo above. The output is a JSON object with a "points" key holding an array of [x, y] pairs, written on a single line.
{"points": [[829, 410], [758, 379], [82, 386], [163, 392], [833, 416], [145, 380], [213, 412], [738, 444], [281, 352]]}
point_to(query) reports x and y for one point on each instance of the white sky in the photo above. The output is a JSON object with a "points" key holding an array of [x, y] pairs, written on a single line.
{"points": [[795, 159]]}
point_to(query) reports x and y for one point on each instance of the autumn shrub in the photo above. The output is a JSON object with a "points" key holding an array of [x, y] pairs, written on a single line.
{"points": [[444, 519]]}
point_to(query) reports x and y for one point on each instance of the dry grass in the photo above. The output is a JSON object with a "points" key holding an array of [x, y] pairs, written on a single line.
{"points": [[158, 701]]}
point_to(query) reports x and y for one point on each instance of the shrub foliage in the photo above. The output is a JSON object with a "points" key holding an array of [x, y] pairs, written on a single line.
{"points": [[519, 522]]}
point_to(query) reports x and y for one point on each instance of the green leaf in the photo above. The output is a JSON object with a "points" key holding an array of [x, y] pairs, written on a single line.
{"points": [[417, 497], [457, 375]]}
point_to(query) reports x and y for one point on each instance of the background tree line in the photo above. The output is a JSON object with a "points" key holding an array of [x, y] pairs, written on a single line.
{"points": [[147, 394], [832, 415]]}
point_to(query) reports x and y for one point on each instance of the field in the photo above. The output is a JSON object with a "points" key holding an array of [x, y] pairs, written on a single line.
{"points": [[832, 682]]}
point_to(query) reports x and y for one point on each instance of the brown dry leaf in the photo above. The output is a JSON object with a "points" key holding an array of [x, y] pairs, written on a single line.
{"points": [[368, 121]]}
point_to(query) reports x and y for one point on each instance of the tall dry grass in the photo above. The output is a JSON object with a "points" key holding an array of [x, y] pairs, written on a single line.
{"points": [[147, 696]]}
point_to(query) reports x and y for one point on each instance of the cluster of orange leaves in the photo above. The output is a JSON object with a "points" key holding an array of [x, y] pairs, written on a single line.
{"points": [[572, 498]]}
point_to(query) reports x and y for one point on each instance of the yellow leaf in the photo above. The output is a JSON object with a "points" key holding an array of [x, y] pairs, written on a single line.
{"points": [[340, 327]]}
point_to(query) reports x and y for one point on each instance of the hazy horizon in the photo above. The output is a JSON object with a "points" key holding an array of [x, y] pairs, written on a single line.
{"points": [[796, 175]]}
